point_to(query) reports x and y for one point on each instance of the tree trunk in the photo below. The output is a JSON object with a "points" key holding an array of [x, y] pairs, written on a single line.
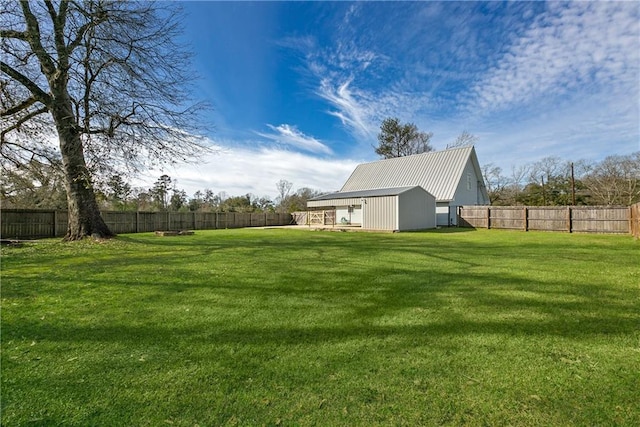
{"points": [[84, 215]]}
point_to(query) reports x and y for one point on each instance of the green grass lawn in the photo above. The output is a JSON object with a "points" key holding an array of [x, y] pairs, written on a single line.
{"points": [[287, 327]]}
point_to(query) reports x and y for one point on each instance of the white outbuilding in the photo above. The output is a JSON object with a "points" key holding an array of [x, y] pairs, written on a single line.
{"points": [[391, 209], [452, 176]]}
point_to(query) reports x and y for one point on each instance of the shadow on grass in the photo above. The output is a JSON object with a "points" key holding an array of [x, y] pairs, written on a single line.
{"points": [[453, 304], [362, 280], [447, 230], [581, 326]]}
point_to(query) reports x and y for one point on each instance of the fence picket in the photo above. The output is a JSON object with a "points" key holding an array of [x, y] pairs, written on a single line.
{"points": [[36, 223], [572, 219]]}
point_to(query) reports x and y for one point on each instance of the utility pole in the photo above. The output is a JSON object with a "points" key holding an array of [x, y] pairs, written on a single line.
{"points": [[544, 195], [573, 187]]}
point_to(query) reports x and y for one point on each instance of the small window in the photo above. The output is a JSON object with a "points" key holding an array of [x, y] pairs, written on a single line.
{"points": [[468, 181]]}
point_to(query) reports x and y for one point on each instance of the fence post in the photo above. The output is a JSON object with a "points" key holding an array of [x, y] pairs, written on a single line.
{"points": [[488, 218], [634, 220], [47, 222]]}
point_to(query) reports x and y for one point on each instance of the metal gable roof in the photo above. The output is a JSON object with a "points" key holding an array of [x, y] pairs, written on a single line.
{"points": [[377, 192], [438, 172]]}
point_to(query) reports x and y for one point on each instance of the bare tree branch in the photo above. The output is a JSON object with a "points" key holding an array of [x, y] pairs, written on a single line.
{"points": [[40, 94], [21, 121], [13, 34], [17, 108], [22, 148], [52, 11], [33, 38], [59, 20]]}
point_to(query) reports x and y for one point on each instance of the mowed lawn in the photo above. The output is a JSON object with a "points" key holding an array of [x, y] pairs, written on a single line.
{"points": [[289, 327]]}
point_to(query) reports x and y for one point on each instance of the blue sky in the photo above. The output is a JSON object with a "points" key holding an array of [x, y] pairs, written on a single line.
{"points": [[299, 89]]}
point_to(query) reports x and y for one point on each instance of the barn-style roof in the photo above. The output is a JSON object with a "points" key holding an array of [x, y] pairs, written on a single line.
{"points": [[438, 172]]}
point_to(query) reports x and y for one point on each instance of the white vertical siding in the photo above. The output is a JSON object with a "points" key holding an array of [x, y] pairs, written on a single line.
{"points": [[467, 190], [416, 209], [402, 208], [380, 213]]}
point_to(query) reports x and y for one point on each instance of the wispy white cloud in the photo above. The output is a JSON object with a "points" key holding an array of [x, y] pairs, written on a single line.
{"points": [[239, 167], [572, 47], [290, 135], [567, 86], [590, 130], [569, 69], [360, 79], [362, 111], [349, 106]]}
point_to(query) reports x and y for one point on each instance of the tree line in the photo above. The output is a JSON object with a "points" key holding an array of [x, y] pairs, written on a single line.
{"points": [[553, 181], [39, 185], [548, 182]]}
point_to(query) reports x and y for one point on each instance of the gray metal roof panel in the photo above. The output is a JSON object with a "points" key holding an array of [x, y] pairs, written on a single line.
{"points": [[438, 172], [376, 192]]}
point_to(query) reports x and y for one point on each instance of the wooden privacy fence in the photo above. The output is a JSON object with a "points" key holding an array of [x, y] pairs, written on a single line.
{"points": [[573, 219], [32, 224], [634, 220]]}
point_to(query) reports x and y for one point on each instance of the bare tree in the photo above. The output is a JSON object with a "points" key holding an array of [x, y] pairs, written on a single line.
{"points": [[615, 180], [464, 139], [548, 168], [398, 140], [107, 79], [284, 187], [518, 175], [495, 182]]}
